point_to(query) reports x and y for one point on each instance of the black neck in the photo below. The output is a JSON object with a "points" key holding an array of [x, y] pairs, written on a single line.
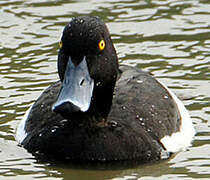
{"points": [[102, 100]]}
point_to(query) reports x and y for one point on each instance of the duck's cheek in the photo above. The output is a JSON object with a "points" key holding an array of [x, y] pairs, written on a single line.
{"points": [[77, 89]]}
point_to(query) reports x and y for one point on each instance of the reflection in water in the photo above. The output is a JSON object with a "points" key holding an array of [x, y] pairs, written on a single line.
{"points": [[168, 38]]}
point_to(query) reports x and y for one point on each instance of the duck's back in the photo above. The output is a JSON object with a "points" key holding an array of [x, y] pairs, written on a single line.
{"points": [[142, 113], [145, 108], [140, 99]]}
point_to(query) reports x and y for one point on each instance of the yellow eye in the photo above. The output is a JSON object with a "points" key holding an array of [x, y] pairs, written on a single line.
{"points": [[101, 45], [60, 44]]}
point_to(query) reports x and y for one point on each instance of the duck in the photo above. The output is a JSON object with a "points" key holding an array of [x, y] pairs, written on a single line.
{"points": [[101, 111]]}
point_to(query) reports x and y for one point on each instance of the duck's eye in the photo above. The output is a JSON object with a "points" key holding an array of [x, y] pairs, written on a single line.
{"points": [[60, 44], [101, 45]]}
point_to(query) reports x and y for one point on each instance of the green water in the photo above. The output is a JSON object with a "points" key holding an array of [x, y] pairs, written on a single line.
{"points": [[170, 38]]}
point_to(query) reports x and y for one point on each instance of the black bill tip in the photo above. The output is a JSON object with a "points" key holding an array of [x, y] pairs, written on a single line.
{"points": [[65, 107]]}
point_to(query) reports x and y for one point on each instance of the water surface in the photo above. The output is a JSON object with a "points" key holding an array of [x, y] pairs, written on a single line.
{"points": [[169, 38]]}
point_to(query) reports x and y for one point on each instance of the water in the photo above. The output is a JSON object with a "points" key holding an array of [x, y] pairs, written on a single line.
{"points": [[170, 38]]}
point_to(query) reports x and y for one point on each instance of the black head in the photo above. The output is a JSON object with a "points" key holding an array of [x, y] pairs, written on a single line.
{"points": [[82, 37], [87, 56]]}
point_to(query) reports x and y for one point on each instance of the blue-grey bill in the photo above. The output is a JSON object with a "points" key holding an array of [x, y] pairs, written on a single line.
{"points": [[77, 87]]}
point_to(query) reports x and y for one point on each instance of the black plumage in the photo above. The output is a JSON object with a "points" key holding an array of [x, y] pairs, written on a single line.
{"points": [[130, 111]]}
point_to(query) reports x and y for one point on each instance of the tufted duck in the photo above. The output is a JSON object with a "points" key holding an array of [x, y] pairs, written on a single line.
{"points": [[100, 111]]}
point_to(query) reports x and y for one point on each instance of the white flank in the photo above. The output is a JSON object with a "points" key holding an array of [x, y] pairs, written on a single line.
{"points": [[21, 133], [182, 139]]}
